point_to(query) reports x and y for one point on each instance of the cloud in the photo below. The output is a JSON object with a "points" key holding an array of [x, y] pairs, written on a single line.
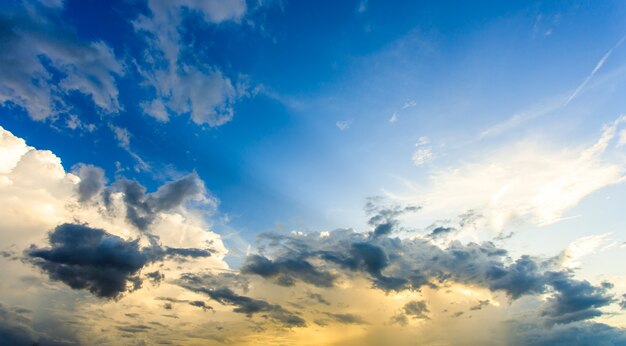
{"points": [[394, 118], [92, 259], [142, 208], [243, 304], [92, 181], [181, 87], [87, 258], [584, 246], [393, 264], [48, 61], [575, 334], [574, 300], [286, 270], [524, 182], [423, 154], [343, 125], [346, 318], [384, 219], [416, 309]]}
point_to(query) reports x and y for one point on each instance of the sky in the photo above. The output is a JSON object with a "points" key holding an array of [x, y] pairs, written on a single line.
{"points": [[282, 172]]}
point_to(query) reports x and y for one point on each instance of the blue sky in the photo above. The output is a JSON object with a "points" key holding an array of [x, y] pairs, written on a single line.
{"points": [[290, 116]]}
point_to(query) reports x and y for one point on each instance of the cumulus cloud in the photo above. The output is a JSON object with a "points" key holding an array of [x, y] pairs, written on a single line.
{"points": [[142, 208], [92, 181], [47, 61], [179, 87]]}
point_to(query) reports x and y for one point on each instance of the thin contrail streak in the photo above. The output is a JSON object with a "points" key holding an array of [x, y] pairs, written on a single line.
{"points": [[595, 70]]}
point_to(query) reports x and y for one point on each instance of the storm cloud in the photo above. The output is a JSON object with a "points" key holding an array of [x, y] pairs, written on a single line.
{"points": [[89, 258]]}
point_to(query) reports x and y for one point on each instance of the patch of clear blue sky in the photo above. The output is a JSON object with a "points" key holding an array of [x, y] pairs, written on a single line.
{"points": [[466, 65]]}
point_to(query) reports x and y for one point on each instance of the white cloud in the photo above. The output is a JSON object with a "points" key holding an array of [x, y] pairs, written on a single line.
{"points": [[423, 153], [585, 246], [526, 181], [422, 156], [203, 91], [394, 118], [409, 104], [38, 46], [343, 125]]}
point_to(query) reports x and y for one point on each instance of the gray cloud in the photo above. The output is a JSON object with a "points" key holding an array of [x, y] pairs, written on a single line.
{"points": [[574, 300], [200, 304], [243, 304], [88, 258], [384, 218], [286, 270], [48, 60], [16, 329], [180, 87], [441, 231], [346, 318], [394, 264], [481, 304], [416, 309], [92, 181], [582, 333], [142, 208]]}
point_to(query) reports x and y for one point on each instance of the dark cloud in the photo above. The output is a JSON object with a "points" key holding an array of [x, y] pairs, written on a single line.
{"points": [[92, 181], [521, 277], [15, 328], [574, 300], [286, 270], [243, 304], [200, 304], [622, 304], [394, 264], [156, 277], [88, 258]]}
